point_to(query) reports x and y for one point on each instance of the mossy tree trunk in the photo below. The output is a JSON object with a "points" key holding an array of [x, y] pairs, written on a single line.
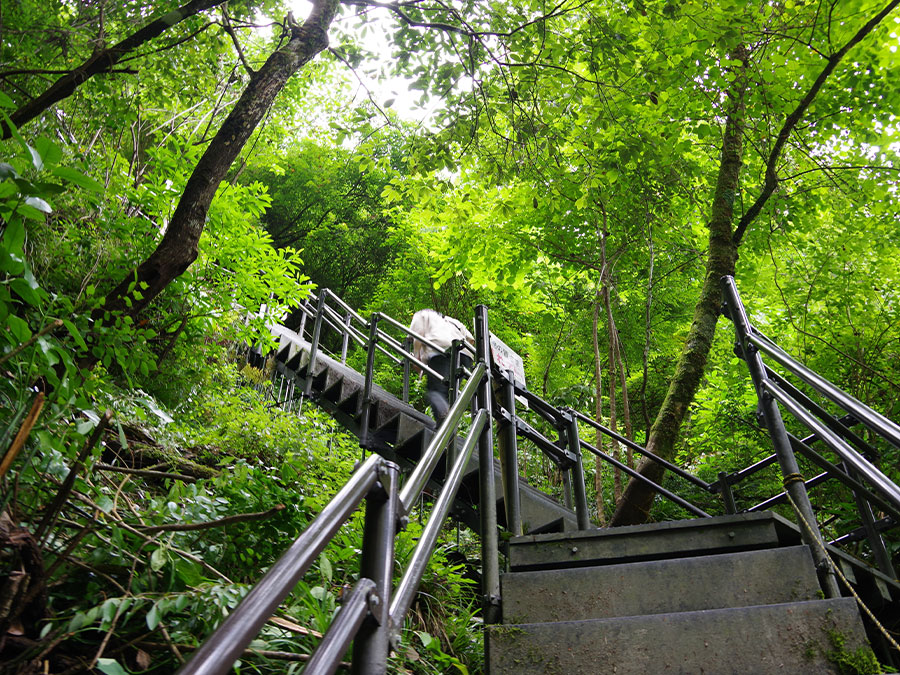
{"points": [[721, 256]]}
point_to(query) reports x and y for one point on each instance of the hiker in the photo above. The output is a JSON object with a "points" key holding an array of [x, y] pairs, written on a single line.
{"points": [[442, 331]]}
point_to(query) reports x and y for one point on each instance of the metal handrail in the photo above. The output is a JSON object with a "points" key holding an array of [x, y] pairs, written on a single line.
{"points": [[372, 596], [884, 485], [874, 420], [403, 595], [375, 482], [634, 473], [344, 627], [699, 482], [221, 649], [772, 390], [429, 460]]}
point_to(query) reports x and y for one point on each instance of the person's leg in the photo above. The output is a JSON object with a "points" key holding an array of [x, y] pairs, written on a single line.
{"points": [[436, 391]]}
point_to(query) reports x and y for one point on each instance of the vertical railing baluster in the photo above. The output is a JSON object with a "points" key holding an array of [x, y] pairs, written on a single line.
{"points": [[509, 456], [371, 646], [566, 474], [487, 505], [582, 514], [305, 309], [365, 414], [727, 494], [407, 347], [793, 480], [346, 338], [314, 343], [452, 391], [876, 543]]}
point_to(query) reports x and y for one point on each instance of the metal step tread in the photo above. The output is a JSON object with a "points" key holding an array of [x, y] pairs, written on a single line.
{"points": [[681, 538], [746, 578], [792, 637]]}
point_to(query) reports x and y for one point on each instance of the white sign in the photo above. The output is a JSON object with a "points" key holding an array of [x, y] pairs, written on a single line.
{"points": [[506, 359]]}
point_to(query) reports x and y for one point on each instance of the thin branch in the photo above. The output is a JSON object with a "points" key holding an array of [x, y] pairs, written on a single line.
{"points": [[221, 522], [49, 328], [336, 54], [146, 473], [226, 24], [103, 61], [771, 179]]}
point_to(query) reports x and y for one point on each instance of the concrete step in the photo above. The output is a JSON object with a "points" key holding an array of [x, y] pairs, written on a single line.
{"points": [[742, 579], [681, 538], [791, 638]]}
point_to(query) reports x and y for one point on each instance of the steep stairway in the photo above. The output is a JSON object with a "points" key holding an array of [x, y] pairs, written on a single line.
{"points": [[399, 432], [732, 594]]}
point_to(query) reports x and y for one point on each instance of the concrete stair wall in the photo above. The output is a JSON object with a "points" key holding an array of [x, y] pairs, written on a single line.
{"points": [[736, 594]]}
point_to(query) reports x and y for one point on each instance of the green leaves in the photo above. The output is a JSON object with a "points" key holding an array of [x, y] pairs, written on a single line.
{"points": [[77, 178]]}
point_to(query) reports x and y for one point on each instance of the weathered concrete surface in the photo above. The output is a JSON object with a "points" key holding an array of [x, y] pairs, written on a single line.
{"points": [[786, 638], [722, 534], [660, 586]]}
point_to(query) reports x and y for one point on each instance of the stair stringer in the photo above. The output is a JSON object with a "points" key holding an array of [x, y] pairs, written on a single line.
{"points": [[540, 512]]}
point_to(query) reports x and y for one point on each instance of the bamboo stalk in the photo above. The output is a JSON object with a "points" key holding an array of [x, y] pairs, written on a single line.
{"points": [[24, 432]]}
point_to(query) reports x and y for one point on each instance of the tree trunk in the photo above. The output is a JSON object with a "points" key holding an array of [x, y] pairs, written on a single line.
{"points": [[647, 331], [615, 449], [598, 410], [102, 62], [179, 246], [626, 404], [721, 257]]}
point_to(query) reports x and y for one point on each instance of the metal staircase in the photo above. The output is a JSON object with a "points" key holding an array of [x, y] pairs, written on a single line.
{"points": [[729, 594], [397, 431], [743, 592]]}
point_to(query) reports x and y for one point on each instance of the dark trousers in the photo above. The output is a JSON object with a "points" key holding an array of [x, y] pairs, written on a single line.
{"points": [[437, 392]]}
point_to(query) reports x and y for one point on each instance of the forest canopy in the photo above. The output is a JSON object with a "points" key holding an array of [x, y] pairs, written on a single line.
{"points": [[175, 177]]}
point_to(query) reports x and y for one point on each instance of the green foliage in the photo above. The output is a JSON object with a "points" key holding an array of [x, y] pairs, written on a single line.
{"points": [[861, 661]]}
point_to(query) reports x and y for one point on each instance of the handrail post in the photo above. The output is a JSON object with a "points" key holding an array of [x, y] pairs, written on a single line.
{"points": [[876, 543], [304, 308], [727, 494], [345, 338], [509, 457], [566, 474], [452, 393], [407, 366], [453, 385], [793, 480], [314, 343], [487, 504], [582, 514], [366, 411], [370, 648]]}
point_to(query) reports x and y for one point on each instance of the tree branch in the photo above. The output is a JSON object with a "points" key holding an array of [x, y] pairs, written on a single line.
{"points": [[221, 522], [771, 179], [102, 61]]}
